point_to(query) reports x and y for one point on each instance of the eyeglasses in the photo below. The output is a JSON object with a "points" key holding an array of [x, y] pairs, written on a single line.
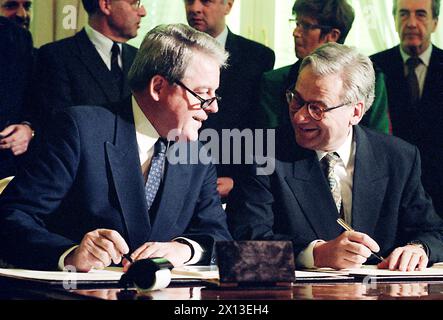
{"points": [[306, 26], [316, 110], [14, 5], [134, 4], [204, 103]]}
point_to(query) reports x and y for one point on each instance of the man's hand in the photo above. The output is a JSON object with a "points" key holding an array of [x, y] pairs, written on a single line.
{"points": [[407, 258], [16, 138], [224, 186], [97, 250], [350, 250], [175, 252]]}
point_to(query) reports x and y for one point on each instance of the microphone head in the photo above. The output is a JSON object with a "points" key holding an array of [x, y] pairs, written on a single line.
{"points": [[143, 273]]}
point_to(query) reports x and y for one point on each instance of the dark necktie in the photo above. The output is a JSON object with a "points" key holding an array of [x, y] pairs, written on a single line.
{"points": [[411, 78], [155, 172], [116, 71], [329, 161]]}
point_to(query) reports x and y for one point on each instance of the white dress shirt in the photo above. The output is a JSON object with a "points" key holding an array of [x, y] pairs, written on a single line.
{"points": [[422, 69], [222, 37], [103, 45], [344, 171]]}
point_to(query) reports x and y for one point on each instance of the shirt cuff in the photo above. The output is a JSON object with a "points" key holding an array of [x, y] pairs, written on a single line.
{"points": [[61, 261], [305, 259], [196, 249]]}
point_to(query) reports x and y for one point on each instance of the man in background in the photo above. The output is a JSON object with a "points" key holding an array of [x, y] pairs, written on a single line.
{"points": [[239, 83], [317, 22], [16, 130], [414, 77], [91, 67], [18, 11]]}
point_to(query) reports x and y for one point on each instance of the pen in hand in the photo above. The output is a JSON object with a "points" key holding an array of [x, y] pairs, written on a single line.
{"points": [[128, 257], [345, 226]]}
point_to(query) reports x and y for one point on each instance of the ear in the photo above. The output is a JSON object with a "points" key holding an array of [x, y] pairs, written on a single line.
{"points": [[105, 6], [229, 5], [333, 35], [358, 113], [435, 24], [157, 86]]}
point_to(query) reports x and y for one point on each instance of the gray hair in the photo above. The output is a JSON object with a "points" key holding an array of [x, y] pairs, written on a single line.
{"points": [[167, 51], [435, 7], [356, 70]]}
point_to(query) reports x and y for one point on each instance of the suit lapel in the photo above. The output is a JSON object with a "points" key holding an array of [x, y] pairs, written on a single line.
{"points": [[233, 49], [434, 78], [125, 169], [97, 68], [312, 193], [369, 185]]}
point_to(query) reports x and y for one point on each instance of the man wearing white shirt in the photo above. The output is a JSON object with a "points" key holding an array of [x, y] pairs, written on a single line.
{"points": [[88, 198], [239, 82], [414, 73], [78, 70], [372, 182]]}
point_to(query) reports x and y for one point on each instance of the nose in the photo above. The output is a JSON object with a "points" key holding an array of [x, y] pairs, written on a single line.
{"points": [[194, 6], [142, 11], [412, 21], [301, 116], [297, 31], [213, 107], [21, 11]]}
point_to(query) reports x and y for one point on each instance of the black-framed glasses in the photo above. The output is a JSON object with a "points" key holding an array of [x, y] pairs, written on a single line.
{"points": [[14, 5], [306, 26], [204, 103], [316, 110]]}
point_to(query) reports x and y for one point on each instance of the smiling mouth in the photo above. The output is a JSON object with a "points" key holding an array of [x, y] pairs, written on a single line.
{"points": [[197, 21], [307, 129]]}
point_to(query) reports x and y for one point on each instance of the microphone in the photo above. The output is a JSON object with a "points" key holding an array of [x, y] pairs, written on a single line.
{"points": [[148, 274]]}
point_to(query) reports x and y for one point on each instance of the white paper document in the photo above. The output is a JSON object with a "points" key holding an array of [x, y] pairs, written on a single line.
{"points": [[435, 271], [93, 275]]}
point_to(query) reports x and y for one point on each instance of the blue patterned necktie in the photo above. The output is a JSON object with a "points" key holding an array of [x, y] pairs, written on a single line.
{"points": [[330, 160], [155, 172]]}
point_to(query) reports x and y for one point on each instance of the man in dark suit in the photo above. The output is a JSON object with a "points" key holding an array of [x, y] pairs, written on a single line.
{"points": [[335, 168], [416, 98], [89, 68], [100, 189], [317, 22], [239, 83], [15, 70]]}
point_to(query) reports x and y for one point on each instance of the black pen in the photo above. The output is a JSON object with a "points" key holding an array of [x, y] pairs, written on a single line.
{"points": [[127, 256], [346, 226]]}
